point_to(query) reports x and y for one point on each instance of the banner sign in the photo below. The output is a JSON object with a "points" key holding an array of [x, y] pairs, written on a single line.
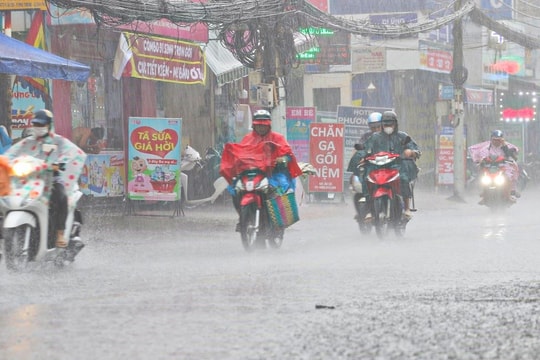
{"points": [[154, 159], [8, 5], [161, 59], [103, 174], [326, 154], [354, 119], [445, 156], [298, 121]]}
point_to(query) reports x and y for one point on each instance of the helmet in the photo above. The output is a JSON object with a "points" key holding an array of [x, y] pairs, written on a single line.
{"points": [[374, 119], [388, 117], [262, 117], [497, 134], [42, 117]]}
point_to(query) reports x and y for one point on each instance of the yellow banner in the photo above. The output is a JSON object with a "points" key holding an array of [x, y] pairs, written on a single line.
{"points": [[6, 5]]}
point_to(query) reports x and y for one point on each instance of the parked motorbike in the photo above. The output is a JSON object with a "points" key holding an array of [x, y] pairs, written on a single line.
{"points": [[495, 185], [27, 231], [383, 183], [200, 179]]}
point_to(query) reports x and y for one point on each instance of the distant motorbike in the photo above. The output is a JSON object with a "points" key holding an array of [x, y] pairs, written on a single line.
{"points": [[383, 184], [200, 179], [27, 231], [494, 184]]}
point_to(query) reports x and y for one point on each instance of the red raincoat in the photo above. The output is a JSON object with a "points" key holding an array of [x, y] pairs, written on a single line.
{"points": [[255, 151]]}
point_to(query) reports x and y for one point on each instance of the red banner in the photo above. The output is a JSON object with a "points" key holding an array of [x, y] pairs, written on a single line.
{"points": [[326, 155], [163, 59]]}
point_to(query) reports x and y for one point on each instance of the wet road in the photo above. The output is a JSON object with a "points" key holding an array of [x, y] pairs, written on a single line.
{"points": [[462, 284]]}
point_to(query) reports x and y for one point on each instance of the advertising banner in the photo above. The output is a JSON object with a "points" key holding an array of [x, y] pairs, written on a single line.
{"points": [[103, 174], [154, 159], [326, 154], [162, 59], [445, 156], [298, 121], [354, 119]]}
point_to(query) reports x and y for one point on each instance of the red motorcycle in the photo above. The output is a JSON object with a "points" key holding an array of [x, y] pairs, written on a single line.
{"points": [[252, 172], [383, 184]]}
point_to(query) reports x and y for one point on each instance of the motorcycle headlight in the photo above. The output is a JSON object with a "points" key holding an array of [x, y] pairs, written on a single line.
{"points": [[499, 180], [486, 180], [22, 168]]}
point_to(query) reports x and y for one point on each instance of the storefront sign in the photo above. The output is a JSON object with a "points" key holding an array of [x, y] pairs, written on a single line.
{"points": [[163, 59], [298, 120], [7, 5], [326, 150], [103, 174], [154, 159]]}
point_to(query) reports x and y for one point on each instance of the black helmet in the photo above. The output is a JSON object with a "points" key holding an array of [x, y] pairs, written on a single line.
{"points": [[389, 116], [42, 117], [497, 134], [262, 117]]}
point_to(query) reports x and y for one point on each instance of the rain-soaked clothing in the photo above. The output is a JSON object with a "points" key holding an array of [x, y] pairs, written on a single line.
{"points": [[64, 182], [396, 143], [485, 149]]}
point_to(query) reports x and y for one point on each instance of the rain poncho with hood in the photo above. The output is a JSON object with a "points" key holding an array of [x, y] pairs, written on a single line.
{"points": [[66, 153], [485, 149]]}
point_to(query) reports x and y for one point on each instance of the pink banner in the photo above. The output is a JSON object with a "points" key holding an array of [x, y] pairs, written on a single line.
{"points": [[326, 155]]}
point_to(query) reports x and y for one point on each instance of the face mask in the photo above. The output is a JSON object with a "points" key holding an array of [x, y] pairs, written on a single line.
{"points": [[40, 131], [388, 130]]}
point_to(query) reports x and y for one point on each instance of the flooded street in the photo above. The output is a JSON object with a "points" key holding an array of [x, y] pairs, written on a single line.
{"points": [[461, 284]]}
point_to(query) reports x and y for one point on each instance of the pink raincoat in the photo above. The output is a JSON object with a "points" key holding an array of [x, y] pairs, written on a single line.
{"points": [[485, 149]]}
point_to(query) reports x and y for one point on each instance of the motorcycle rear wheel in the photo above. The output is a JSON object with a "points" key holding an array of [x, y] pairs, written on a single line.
{"points": [[17, 257], [380, 206], [248, 231], [362, 208]]}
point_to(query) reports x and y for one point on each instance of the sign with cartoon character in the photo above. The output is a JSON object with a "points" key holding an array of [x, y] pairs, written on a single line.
{"points": [[103, 174], [154, 159]]}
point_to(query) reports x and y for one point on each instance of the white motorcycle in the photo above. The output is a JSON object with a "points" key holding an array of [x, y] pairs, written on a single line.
{"points": [[27, 234], [200, 178]]}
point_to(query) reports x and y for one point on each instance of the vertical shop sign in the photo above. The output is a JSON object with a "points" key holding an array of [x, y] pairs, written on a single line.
{"points": [[298, 121], [154, 159], [445, 156], [326, 154]]}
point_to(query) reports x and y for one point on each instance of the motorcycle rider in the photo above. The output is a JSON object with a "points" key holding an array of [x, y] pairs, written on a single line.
{"points": [[497, 146], [392, 140], [357, 160], [262, 132], [65, 153]]}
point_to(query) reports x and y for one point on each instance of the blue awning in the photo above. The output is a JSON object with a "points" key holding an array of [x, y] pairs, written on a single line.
{"points": [[19, 58]]}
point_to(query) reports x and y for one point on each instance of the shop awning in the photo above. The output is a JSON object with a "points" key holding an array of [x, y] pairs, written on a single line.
{"points": [[223, 63], [19, 58]]}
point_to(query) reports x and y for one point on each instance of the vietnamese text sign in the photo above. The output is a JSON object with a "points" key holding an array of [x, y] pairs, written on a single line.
{"points": [[298, 120], [7, 5], [169, 60], [154, 159], [354, 118], [326, 154], [445, 156]]}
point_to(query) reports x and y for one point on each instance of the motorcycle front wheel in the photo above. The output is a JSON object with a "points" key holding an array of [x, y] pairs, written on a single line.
{"points": [[381, 220], [16, 255], [248, 230], [275, 240]]}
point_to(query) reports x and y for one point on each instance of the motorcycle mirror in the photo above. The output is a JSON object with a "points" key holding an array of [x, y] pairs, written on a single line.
{"points": [[407, 140], [359, 147]]}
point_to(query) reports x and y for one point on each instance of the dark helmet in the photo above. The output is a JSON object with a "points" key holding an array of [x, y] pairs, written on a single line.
{"points": [[262, 117], [497, 134], [42, 117], [389, 117], [374, 119]]}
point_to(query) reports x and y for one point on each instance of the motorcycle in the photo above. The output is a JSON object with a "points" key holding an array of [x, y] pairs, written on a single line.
{"points": [[200, 179], [361, 204], [28, 236], [383, 185], [259, 189], [494, 184]]}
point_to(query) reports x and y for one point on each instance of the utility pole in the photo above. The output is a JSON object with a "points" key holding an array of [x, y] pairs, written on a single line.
{"points": [[458, 77]]}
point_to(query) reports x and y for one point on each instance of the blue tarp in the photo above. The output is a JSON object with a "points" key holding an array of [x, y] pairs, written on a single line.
{"points": [[19, 58]]}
